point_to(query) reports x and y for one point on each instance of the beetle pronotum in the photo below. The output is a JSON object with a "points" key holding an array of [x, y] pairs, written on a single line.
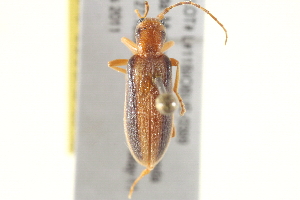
{"points": [[149, 99]]}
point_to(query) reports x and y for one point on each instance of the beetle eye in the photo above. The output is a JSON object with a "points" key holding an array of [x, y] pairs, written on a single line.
{"points": [[140, 20], [138, 31], [163, 33], [162, 22]]}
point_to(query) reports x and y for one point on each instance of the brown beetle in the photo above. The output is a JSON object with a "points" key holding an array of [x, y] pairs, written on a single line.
{"points": [[149, 99]]}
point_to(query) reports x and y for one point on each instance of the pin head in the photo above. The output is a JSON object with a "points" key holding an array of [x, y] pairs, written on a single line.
{"points": [[166, 103]]}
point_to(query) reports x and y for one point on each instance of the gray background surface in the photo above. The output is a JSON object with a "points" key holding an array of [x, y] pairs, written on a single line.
{"points": [[105, 168]]}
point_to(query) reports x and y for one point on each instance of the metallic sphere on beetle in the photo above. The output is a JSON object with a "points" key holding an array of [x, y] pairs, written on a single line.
{"points": [[166, 103]]}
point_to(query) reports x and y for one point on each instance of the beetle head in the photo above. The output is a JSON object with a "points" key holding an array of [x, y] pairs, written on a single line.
{"points": [[150, 34]]}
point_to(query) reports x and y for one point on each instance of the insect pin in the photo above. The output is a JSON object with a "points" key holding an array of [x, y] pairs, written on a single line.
{"points": [[149, 97]]}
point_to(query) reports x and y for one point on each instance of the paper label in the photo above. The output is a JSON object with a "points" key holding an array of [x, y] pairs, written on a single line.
{"points": [[105, 168]]}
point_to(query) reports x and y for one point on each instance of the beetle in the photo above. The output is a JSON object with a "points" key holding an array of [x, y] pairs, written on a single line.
{"points": [[149, 99]]}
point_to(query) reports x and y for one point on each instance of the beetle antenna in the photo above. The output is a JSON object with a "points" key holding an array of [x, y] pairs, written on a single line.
{"points": [[161, 16], [146, 11]]}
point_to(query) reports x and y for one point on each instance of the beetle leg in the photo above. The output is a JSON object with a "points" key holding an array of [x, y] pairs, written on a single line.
{"points": [[173, 130], [144, 173], [130, 44], [119, 62], [167, 46], [175, 62]]}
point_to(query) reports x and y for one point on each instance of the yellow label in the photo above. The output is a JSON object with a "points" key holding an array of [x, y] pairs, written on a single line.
{"points": [[73, 58]]}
